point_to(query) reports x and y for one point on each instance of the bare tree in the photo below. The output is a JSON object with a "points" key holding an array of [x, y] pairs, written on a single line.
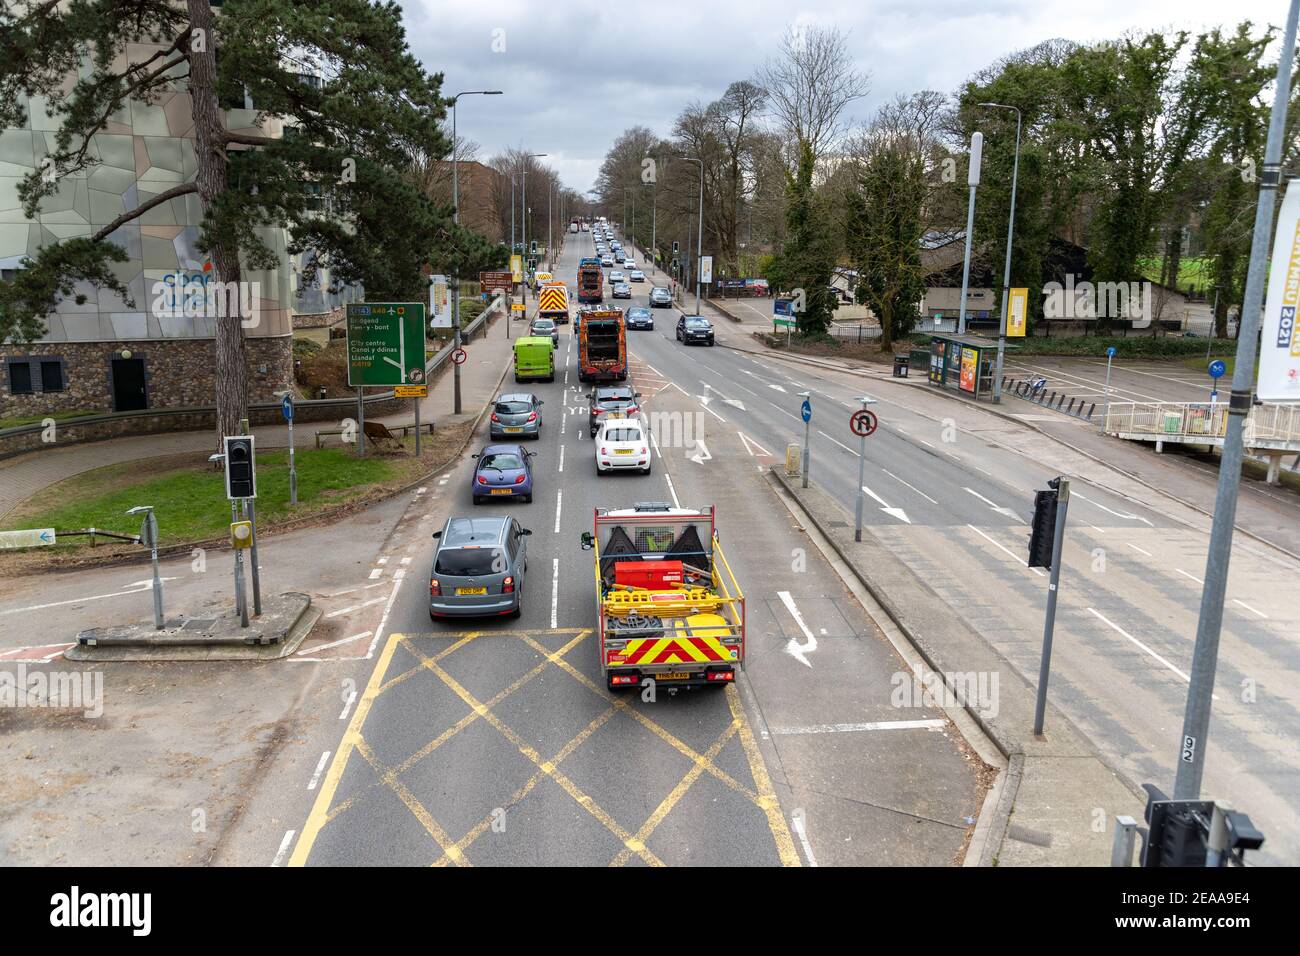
{"points": [[810, 83]]}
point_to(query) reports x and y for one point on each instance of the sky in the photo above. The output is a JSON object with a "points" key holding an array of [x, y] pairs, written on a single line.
{"points": [[576, 73]]}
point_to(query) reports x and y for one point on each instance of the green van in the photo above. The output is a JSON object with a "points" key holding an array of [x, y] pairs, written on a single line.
{"points": [[534, 358]]}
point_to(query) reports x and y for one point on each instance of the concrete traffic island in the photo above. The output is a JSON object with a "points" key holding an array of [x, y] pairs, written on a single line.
{"points": [[276, 633]]}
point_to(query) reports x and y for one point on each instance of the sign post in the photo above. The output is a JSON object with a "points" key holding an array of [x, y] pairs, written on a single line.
{"points": [[805, 412], [1217, 368], [1110, 354], [149, 537], [286, 406], [862, 424]]}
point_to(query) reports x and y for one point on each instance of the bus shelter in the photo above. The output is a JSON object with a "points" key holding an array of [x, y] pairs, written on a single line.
{"points": [[963, 363]]}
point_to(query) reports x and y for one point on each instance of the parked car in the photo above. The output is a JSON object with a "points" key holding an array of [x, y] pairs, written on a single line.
{"points": [[622, 290], [660, 297], [618, 401], [639, 318], [479, 567], [502, 471], [516, 415], [694, 328], [622, 444]]}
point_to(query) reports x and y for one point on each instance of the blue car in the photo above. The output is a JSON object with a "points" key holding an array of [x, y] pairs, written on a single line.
{"points": [[502, 471]]}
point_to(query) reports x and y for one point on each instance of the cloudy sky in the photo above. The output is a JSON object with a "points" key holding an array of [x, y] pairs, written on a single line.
{"points": [[576, 73]]}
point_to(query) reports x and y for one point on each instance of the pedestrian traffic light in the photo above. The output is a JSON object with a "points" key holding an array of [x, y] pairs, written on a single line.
{"points": [[1043, 530], [241, 467], [676, 248], [532, 246]]}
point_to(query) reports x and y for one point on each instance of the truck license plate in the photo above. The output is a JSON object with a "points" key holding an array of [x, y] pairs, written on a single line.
{"points": [[672, 675]]}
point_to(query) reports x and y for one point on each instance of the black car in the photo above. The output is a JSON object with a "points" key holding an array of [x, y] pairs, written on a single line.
{"points": [[694, 328], [640, 318]]}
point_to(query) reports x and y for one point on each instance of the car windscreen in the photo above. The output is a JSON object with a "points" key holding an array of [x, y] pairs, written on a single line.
{"points": [[639, 314], [697, 323], [623, 434], [512, 408], [503, 460], [613, 398], [470, 562]]}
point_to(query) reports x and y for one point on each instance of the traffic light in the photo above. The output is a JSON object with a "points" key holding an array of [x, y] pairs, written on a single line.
{"points": [[241, 467], [1043, 530], [676, 248], [532, 246]]}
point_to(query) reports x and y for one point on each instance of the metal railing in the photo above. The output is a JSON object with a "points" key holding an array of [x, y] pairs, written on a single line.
{"points": [[856, 334], [1268, 426]]}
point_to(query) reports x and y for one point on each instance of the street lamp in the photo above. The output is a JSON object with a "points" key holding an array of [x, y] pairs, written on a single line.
{"points": [[1006, 270], [455, 204], [523, 214], [972, 180], [699, 234]]}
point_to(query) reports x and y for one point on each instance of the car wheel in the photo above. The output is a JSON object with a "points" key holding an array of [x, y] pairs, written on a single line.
{"points": [[645, 470], [476, 499], [528, 499], [519, 607]]}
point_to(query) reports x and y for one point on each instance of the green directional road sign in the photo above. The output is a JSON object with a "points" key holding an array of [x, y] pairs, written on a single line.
{"points": [[784, 323], [386, 344]]}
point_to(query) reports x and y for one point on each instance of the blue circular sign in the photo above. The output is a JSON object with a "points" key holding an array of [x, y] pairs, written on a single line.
{"points": [[1110, 352], [806, 410], [1217, 368], [286, 406]]}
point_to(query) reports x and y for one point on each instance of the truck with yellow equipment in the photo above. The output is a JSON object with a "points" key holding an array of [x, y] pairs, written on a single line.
{"points": [[553, 302], [668, 609]]}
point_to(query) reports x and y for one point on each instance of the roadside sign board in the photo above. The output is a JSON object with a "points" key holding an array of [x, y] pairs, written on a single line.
{"points": [[1110, 351], [862, 423], [439, 303], [30, 538], [385, 344], [516, 268], [781, 323], [1279, 349], [286, 407], [1017, 306], [706, 269], [459, 356], [783, 307], [495, 281], [411, 391], [1217, 368], [516, 307], [806, 410]]}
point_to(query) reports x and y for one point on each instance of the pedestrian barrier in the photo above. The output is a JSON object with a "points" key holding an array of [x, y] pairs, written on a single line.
{"points": [[1035, 391]]}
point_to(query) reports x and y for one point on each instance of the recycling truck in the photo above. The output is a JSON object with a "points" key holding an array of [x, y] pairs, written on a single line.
{"points": [[553, 302], [668, 608]]}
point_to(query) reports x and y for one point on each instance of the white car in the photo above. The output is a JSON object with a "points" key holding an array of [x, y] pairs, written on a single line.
{"points": [[622, 445], [617, 276], [607, 260], [636, 275]]}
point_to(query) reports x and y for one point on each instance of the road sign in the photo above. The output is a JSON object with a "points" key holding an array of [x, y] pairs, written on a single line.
{"points": [[1110, 352], [706, 269], [781, 323], [517, 268], [30, 538], [411, 391], [385, 343], [241, 534], [459, 356], [439, 303], [783, 307], [1217, 368], [806, 410], [1017, 307], [286, 407], [495, 281], [517, 307], [863, 422]]}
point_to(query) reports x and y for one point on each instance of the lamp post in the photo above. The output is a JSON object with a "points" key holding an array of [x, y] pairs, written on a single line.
{"points": [[455, 204], [972, 180], [699, 234], [523, 234], [1006, 270]]}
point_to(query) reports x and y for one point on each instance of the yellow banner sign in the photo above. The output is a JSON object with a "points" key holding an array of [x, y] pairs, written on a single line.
{"points": [[1017, 310], [411, 391], [516, 307], [517, 268]]}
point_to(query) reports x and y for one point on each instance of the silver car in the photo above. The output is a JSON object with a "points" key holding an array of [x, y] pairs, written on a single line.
{"points": [[518, 415], [478, 568]]}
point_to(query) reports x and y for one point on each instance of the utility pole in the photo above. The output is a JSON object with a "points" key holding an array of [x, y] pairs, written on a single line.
{"points": [[972, 180], [1200, 690], [455, 203], [1006, 271], [699, 234], [523, 212]]}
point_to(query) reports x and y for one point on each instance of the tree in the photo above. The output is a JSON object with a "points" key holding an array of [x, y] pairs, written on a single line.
{"points": [[368, 108], [804, 266]]}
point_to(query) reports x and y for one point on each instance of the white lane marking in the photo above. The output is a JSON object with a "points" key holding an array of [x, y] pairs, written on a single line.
{"points": [[777, 387], [381, 560], [355, 607], [671, 490], [375, 572], [346, 640], [284, 847], [1013, 556], [347, 705], [749, 441], [320, 767], [680, 389], [422, 489], [555, 592], [561, 468], [359, 587], [1136, 548], [1191, 576], [913, 487], [1117, 514], [898, 513], [840, 443], [794, 648], [559, 503], [383, 619], [797, 821], [93, 597], [998, 508], [925, 443], [929, 724], [406, 560], [1249, 608], [1126, 634]]}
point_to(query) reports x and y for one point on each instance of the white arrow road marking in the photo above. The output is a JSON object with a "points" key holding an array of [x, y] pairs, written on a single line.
{"points": [[998, 508], [794, 648], [701, 456], [735, 403], [777, 387], [749, 441], [147, 584], [913, 487], [1117, 514], [898, 513]]}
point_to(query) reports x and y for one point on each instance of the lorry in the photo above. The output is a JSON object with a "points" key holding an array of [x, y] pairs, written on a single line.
{"points": [[591, 281], [553, 302], [602, 345], [534, 358], [668, 609]]}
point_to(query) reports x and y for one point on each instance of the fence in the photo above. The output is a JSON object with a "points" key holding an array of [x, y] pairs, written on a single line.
{"points": [[1268, 427], [855, 334]]}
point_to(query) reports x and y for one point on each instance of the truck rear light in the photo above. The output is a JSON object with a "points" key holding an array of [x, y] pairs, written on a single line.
{"points": [[519, 479], [720, 676], [434, 589], [622, 680], [508, 585]]}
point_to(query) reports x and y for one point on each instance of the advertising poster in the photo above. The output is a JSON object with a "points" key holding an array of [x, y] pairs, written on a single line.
{"points": [[969, 364]]}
